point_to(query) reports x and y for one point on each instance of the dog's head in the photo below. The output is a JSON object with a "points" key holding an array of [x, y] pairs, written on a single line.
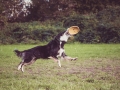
{"points": [[68, 33]]}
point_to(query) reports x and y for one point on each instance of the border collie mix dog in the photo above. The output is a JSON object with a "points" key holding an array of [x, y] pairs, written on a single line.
{"points": [[53, 50]]}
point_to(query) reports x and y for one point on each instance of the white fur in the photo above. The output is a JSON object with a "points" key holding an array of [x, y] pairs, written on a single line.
{"points": [[59, 63], [64, 37], [19, 67], [60, 52], [23, 68]]}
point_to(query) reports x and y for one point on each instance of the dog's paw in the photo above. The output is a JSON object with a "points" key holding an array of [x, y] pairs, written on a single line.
{"points": [[73, 59]]}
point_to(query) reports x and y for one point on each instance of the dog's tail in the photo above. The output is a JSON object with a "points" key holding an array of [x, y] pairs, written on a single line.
{"points": [[18, 53]]}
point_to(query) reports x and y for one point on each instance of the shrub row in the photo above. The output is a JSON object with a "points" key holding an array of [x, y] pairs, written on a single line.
{"points": [[103, 27], [29, 32]]}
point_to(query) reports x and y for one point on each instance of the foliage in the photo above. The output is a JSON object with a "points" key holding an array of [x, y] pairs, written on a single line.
{"points": [[16, 10], [102, 27], [32, 32]]}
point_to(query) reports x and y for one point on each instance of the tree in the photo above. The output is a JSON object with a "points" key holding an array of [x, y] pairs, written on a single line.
{"points": [[27, 10], [14, 9]]}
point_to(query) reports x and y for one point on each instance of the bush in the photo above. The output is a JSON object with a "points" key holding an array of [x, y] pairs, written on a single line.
{"points": [[31, 32], [109, 34], [102, 27]]}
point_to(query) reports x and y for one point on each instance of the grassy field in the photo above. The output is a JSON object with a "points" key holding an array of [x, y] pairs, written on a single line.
{"points": [[97, 68]]}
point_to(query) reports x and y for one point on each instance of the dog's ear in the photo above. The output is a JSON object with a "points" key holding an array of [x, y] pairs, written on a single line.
{"points": [[73, 30]]}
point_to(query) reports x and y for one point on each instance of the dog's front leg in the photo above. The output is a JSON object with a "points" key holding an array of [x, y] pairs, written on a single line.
{"points": [[70, 58], [56, 60], [64, 56]]}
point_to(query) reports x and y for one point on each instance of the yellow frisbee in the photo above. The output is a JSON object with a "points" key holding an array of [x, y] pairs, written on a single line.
{"points": [[73, 30]]}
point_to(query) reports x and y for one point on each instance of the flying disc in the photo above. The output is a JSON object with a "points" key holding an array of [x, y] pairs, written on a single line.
{"points": [[73, 30]]}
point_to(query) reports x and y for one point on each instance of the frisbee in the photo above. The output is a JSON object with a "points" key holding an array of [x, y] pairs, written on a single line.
{"points": [[73, 30]]}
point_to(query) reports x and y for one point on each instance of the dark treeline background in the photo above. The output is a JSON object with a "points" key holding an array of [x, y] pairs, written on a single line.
{"points": [[99, 20]]}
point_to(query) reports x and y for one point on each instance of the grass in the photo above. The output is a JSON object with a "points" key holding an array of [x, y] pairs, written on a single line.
{"points": [[97, 68]]}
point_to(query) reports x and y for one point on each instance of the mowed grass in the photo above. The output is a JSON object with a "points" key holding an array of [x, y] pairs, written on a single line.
{"points": [[97, 68]]}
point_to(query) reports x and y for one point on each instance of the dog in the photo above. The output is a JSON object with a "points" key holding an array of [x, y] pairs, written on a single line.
{"points": [[53, 50]]}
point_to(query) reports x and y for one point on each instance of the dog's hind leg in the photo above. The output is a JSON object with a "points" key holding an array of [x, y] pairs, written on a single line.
{"points": [[24, 63], [22, 68], [20, 65]]}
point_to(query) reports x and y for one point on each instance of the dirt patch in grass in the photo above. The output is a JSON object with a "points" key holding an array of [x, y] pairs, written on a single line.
{"points": [[97, 68], [91, 70]]}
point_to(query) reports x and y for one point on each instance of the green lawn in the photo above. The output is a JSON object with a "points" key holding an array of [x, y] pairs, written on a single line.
{"points": [[97, 68]]}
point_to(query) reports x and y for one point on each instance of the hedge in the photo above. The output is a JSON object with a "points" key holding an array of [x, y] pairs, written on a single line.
{"points": [[102, 27]]}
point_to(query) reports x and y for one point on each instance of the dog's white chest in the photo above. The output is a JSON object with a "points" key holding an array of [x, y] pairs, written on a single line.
{"points": [[64, 37], [60, 52]]}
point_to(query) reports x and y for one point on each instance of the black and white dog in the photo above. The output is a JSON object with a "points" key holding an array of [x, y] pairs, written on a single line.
{"points": [[54, 49]]}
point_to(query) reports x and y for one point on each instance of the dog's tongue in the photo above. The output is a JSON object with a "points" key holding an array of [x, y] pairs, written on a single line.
{"points": [[73, 30]]}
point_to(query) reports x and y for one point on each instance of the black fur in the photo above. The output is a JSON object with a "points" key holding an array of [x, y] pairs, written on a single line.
{"points": [[51, 49], [46, 51]]}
